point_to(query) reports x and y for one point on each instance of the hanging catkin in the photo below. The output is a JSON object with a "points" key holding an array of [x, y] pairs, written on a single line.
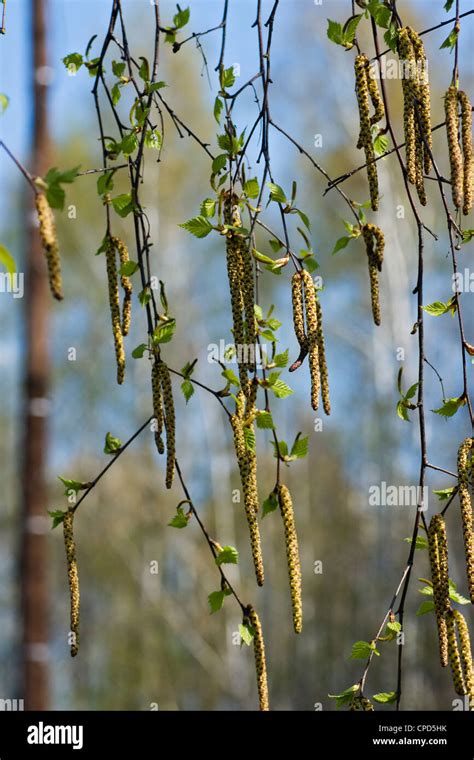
{"points": [[461, 662], [260, 662], [466, 130], [170, 422], [298, 309], [114, 302], [455, 155], [363, 84], [247, 462], [407, 55], [438, 554], [423, 98], [323, 367], [311, 312], [47, 229], [126, 284], [292, 555], [464, 462], [241, 284], [73, 577], [157, 405], [375, 245]]}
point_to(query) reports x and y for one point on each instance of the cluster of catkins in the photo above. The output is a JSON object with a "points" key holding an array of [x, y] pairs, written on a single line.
{"points": [[49, 240], [308, 326], [366, 85], [416, 109], [375, 244], [163, 410], [73, 577], [460, 153], [453, 632], [120, 322]]}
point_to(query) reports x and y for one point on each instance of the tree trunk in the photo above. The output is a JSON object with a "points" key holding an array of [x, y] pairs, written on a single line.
{"points": [[34, 582]]}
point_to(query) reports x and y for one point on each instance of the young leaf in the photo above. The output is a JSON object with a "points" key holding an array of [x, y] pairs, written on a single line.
{"points": [[164, 333], [281, 389], [249, 438], [112, 444], [208, 207], [218, 106], [270, 504], [216, 600], [199, 226], [276, 193], [385, 697], [252, 188], [180, 520], [451, 39], [227, 556], [299, 448], [346, 696], [138, 352], [246, 634], [58, 517], [188, 389], [363, 649], [340, 244], [264, 421], [334, 32], [443, 494], [425, 607], [450, 406], [129, 268]]}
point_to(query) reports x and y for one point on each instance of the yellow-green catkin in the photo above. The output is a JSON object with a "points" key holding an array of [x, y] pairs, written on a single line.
{"points": [[157, 405], [375, 96], [407, 55], [365, 134], [73, 578], [423, 98], [170, 421], [114, 302], [460, 661], [375, 245], [242, 292], [438, 554], [466, 131], [464, 466], [126, 284], [455, 155], [323, 367], [47, 229], [247, 462], [298, 309], [311, 313], [260, 661], [292, 555]]}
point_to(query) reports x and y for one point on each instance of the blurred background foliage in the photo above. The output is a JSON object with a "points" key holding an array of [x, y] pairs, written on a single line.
{"points": [[149, 639]]}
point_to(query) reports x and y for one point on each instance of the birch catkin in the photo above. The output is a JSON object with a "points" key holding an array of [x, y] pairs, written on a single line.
{"points": [[461, 662], [126, 284], [292, 555], [260, 661], [47, 229], [298, 309], [114, 302], [73, 577], [423, 98], [464, 463], [466, 125], [364, 84], [438, 554], [170, 421], [323, 367], [247, 462], [311, 312], [157, 405], [375, 245], [455, 155], [407, 54]]}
